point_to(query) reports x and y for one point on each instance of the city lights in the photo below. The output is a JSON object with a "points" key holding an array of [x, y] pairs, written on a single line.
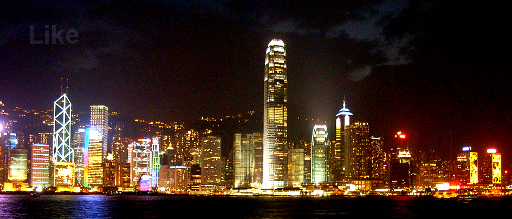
{"points": [[353, 163], [237, 154]]}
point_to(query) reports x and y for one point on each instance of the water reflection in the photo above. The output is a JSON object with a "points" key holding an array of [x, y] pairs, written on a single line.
{"points": [[128, 206]]}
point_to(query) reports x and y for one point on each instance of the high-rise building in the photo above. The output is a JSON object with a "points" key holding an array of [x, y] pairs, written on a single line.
{"points": [[79, 167], [78, 146], [307, 159], [258, 159], [490, 167], [109, 171], [319, 155], [463, 165], [337, 165], [473, 167], [123, 175], [178, 178], [62, 151], [141, 155], [296, 167], [17, 165], [400, 166], [155, 161], [275, 119], [40, 165], [99, 122], [496, 168], [211, 165], [357, 151], [243, 161], [93, 164], [377, 158]]}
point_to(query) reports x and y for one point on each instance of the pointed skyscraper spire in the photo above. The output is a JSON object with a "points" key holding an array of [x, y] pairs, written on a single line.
{"points": [[345, 112]]}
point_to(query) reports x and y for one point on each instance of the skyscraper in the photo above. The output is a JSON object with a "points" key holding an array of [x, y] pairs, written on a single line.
{"points": [[99, 122], [39, 165], [295, 167], [490, 167], [357, 151], [155, 161], [211, 165], [400, 163], [93, 165], [141, 158], [463, 164], [275, 119], [17, 165], [258, 159], [109, 171], [243, 149], [338, 161], [62, 151], [79, 146], [319, 155]]}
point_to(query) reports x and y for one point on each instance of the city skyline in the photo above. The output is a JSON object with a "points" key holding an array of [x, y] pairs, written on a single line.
{"points": [[365, 162], [245, 104], [446, 81]]}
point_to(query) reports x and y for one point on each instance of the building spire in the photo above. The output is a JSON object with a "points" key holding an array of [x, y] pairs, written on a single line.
{"points": [[344, 101]]}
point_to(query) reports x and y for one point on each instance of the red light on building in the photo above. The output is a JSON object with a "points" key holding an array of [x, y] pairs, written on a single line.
{"points": [[400, 135]]}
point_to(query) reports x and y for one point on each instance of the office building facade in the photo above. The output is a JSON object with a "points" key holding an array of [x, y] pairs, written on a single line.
{"points": [[243, 160], [40, 166], [337, 164], [275, 119], [93, 163], [211, 164], [357, 151], [319, 155], [99, 122]]}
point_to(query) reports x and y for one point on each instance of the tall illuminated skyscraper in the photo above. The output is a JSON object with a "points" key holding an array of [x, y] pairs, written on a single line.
{"points": [[155, 161], [93, 165], [62, 151], [211, 164], [39, 165], [140, 157], [338, 167], [275, 118], [319, 155], [357, 151], [99, 122]]}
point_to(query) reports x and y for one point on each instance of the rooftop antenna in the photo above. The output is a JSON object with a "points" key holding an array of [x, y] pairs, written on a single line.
{"points": [[61, 81], [67, 83]]}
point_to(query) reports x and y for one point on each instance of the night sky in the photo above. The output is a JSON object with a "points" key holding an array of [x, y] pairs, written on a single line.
{"points": [[429, 68]]}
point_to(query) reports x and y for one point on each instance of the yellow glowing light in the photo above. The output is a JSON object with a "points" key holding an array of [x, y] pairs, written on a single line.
{"points": [[473, 167]]}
